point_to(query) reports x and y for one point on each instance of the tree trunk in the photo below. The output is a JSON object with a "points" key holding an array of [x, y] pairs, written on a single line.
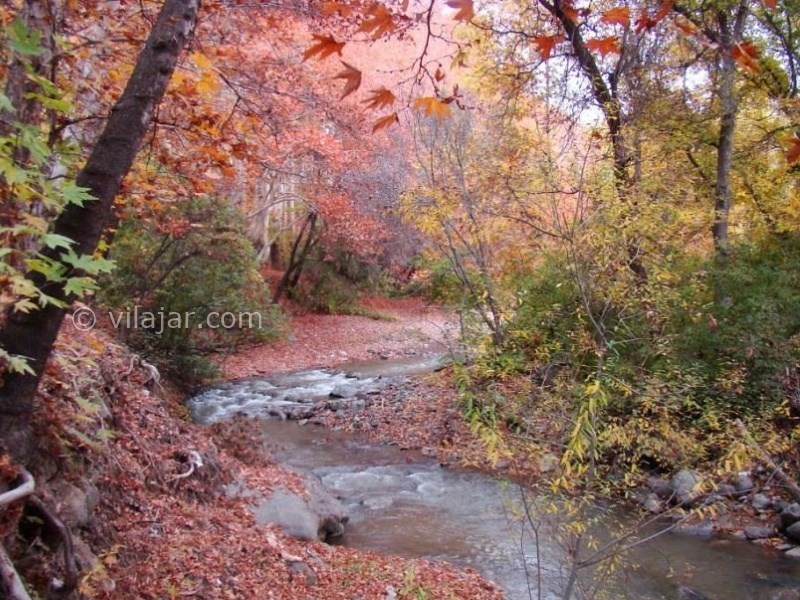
{"points": [[730, 34], [605, 96], [32, 335]]}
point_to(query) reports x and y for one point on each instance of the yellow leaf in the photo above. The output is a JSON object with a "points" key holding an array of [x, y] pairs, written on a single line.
{"points": [[352, 77], [379, 22], [208, 84], [324, 47], [464, 7], [201, 60], [380, 98], [432, 107], [385, 122]]}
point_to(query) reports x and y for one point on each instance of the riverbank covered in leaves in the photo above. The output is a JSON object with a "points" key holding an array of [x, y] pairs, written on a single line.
{"points": [[147, 498]]}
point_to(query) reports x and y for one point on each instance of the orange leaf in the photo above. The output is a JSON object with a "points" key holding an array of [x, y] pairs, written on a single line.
{"points": [[329, 8], [793, 154], [379, 22], [571, 13], [686, 26], [663, 11], [546, 43], [325, 46], [773, 4], [746, 54], [432, 107], [385, 122], [605, 46], [380, 98], [617, 16], [352, 77], [464, 7], [645, 22]]}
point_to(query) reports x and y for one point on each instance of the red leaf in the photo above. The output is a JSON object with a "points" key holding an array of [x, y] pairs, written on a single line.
{"points": [[385, 122], [352, 77], [546, 43], [325, 46], [617, 16], [605, 46], [793, 154], [380, 98], [645, 22], [571, 13], [746, 54], [464, 7], [379, 22]]}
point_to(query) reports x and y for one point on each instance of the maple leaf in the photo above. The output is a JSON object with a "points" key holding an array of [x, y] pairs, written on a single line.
{"points": [[746, 54], [352, 77], [464, 7], [325, 46], [605, 46], [380, 98], [645, 22], [432, 107], [546, 43], [793, 154], [620, 15], [379, 22], [385, 122]]}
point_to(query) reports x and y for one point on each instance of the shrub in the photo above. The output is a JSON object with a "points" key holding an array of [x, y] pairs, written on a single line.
{"points": [[195, 260]]}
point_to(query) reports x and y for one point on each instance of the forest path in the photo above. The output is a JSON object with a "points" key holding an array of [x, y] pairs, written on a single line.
{"points": [[407, 327]]}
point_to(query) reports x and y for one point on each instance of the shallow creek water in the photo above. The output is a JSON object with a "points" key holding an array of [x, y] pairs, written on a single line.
{"points": [[405, 503]]}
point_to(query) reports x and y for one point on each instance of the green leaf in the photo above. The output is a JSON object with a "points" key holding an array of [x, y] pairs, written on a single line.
{"points": [[79, 286], [47, 86], [46, 299], [91, 265], [57, 104], [55, 240], [5, 103], [19, 364], [52, 270], [25, 305], [31, 139], [74, 194], [24, 40]]}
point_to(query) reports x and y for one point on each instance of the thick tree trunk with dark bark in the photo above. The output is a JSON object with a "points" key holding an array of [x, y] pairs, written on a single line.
{"points": [[32, 335]]}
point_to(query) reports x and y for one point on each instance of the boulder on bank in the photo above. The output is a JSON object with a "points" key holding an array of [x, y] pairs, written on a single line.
{"points": [[685, 485], [789, 516], [319, 517]]}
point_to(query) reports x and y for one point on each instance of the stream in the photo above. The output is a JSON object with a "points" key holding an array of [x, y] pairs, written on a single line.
{"points": [[406, 504]]}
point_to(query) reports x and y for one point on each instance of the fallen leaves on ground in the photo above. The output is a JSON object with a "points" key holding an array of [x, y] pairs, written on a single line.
{"points": [[159, 534]]}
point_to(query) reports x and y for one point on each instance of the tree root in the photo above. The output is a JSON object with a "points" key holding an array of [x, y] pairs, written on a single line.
{"points": [[9, 578], [70, 568]]}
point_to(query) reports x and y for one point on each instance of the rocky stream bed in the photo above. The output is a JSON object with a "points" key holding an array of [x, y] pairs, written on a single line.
{"points": [[381, 498]]}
